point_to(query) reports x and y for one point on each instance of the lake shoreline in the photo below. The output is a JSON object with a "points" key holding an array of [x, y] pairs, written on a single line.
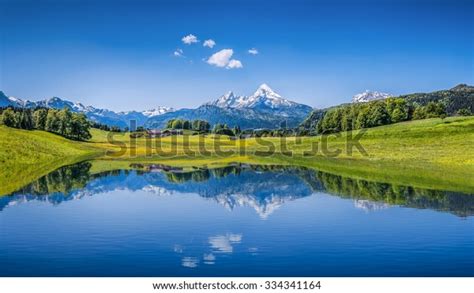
{"points": [[432, 153]]}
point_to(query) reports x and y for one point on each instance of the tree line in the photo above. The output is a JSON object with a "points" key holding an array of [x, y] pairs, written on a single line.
{"points": [[196, 125], [106, 127], [63, 122], [223, 129], [377, 113]]}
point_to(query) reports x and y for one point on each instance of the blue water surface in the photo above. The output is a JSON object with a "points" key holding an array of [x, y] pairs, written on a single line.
{"points": [[234, 221]]}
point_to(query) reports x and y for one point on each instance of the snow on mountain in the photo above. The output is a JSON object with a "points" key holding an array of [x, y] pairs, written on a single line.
{"points": [[14, 102], [103, 116], [263, 100], [229, 100], [368, 96], [263, 109], [263, 96], [157, 111]]}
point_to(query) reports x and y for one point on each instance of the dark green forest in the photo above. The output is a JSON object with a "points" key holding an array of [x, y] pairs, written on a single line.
{"points": [[62, 122], [456, 101]]}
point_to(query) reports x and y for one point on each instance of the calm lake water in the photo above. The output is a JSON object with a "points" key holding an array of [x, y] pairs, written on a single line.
{"points": [[234, 221]]}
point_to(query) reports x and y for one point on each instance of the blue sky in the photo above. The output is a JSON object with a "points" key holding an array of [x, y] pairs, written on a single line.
{"points": [[120, 55]]}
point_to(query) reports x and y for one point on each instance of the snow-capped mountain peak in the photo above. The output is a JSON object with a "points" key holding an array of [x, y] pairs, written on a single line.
{"points": [[228, 95], [228, 100], [265, 90], [264, 96], [104, 116], [368, 96], [157, 111]]}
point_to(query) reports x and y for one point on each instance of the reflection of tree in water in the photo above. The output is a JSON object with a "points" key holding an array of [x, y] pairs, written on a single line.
{"points": [[259, 184], [205, 174], [59, 185], [197, 176], [66, 179], [62, 180], [457, 203]]}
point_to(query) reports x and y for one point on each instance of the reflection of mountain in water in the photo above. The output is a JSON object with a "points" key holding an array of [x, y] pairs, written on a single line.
{"points": [[264, 188]]}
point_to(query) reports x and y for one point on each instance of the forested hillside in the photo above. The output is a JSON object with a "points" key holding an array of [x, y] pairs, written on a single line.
{"points": [[456, 101], [62, 122]]}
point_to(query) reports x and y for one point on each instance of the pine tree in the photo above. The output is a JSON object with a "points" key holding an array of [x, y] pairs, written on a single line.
{"points": [[39, 118], [8, 118]]}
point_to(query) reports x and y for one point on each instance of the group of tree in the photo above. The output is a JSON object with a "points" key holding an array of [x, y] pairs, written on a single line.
{"points": [[196, 125], [223, 129], [63, 122], [106, 127], [464, 112], [376, 113], [455, 101]]}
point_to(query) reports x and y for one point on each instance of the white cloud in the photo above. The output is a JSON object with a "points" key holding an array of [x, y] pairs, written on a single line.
{"points": [[221, 58], [209, 43], [178, 53], [234, 64], [190, 39], [253, 51]]}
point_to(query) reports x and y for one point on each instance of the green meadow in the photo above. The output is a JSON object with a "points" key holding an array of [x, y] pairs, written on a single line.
{"points": [[431, 153], [26, 155]]}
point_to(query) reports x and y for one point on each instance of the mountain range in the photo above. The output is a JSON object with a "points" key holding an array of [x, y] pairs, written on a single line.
{"points": [[103, 116], [368, 96], [263, 109]]}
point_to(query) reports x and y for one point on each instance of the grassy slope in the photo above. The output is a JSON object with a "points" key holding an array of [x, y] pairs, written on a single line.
{"points": [[430, 153], [27, 155]]}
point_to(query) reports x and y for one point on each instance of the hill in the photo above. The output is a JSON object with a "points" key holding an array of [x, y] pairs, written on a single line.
{"points": [[431, 153], [26, 155], [454, 99]]}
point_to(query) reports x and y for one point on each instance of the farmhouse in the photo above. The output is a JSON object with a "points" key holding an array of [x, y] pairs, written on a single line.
{"points": [[163, 133]]}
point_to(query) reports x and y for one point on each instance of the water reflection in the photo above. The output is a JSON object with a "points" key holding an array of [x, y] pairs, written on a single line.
{"points": [[224, 243], [264, 188], [216, 246], [189, 262]]}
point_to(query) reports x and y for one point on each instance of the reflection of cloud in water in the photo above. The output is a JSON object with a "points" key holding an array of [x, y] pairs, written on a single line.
{"points": [[253, 250], [189, 262], [178, 248], [219, 243], [209, 259], [369, 206], [224, 243]]}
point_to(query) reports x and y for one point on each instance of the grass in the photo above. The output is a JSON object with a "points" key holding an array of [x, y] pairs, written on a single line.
{"points": [[27, 155], [431, 153]]}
